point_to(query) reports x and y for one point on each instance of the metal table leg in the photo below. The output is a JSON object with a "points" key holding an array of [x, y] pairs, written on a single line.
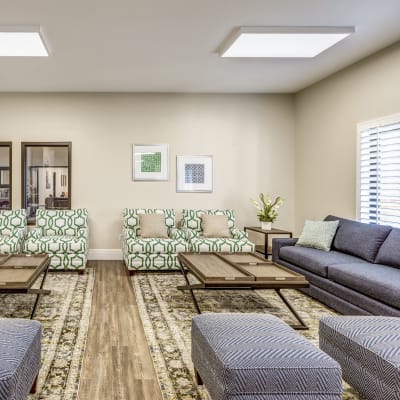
{"points": [[190, 288], [302, 325], [39, 291]]}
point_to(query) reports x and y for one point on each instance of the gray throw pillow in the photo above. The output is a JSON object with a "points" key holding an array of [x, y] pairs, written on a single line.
{"points": [[153, 226], [318, 234], [215, 226]]}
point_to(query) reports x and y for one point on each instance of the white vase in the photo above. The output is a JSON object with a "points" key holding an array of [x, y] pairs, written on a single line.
{"points": [[267, 226]]}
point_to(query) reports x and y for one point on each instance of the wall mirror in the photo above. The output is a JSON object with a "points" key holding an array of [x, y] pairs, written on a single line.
{"points": [[46, 176], [5, 175]]}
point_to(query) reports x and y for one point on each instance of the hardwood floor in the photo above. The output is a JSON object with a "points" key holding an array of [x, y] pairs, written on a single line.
{"points": [[117, 362]]}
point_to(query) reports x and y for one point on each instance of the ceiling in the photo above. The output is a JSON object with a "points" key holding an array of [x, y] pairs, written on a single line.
{"points": [[170, 45]]}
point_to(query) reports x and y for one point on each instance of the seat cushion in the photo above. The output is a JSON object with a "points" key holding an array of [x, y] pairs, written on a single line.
{"points": [[202, 244], [56, 244], [375, 280], [156, 245], [389, 253], [313, 260], [359, 239], [20, 352]]}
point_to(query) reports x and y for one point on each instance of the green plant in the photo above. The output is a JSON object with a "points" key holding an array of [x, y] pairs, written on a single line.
{"points": [[267, 210]]}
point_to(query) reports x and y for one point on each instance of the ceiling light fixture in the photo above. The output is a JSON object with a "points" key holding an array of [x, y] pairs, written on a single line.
{"points": [[17, 41], [282, 42]]}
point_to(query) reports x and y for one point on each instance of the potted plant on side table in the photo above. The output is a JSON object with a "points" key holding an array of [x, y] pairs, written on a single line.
{"points": [[267, 210]]}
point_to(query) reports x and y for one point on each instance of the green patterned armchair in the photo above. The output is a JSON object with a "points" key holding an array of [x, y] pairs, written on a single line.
{"points": [[12, 231], [63, 235], [191, 225], [151, 253]]}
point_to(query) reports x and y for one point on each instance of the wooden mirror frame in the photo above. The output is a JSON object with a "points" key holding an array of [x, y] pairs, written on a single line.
{"points": [[24, 147], [9, 145]]}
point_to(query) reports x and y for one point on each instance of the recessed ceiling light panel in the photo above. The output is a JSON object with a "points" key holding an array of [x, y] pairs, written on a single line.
{"points": [[21, 42], [282, 42]]}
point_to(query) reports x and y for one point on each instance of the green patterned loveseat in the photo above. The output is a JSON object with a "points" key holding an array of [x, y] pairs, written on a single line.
{"points": [[151, 253], [191, 225], [63, 235], [12, 230]]}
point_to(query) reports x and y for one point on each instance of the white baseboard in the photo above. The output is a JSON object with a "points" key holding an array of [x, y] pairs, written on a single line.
{"points": [[105, 254]]}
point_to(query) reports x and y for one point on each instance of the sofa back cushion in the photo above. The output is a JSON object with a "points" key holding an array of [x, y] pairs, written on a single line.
{"points": [[389, 253], [131, 217], [12, 219], [359, 239], [191, 219], [61, 222]]}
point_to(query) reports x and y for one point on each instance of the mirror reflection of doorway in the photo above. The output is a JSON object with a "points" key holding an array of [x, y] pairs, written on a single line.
{"points": [[5, 175], [46, 176]]}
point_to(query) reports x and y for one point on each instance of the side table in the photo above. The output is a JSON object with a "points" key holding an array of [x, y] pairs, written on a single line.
{"points": [[265, 249]]}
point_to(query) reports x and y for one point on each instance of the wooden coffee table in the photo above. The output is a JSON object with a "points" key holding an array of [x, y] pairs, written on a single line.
{"points": [[239, 271], [19, 272]]}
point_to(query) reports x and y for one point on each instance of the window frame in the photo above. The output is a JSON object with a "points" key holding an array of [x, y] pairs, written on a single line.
{"points": [[361, 127]]}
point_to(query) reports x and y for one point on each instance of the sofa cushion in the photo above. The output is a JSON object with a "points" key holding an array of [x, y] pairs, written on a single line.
{"points": [[389, 253], [313, 260], [131, 217], [215, 226], [375, 280], [61, 222], [153, 226], [359, 239], [318, 234]]}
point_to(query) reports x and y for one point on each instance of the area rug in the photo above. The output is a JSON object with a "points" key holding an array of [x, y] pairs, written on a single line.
{"points": [[166, 314], [64, 315]]}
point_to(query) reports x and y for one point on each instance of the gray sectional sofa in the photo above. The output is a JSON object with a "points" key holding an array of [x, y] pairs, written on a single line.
{"points": [[359, 276]]}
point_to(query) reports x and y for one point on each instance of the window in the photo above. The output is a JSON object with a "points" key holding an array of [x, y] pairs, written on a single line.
{"points": [[5, 175], [46, 177], [379, 171]]}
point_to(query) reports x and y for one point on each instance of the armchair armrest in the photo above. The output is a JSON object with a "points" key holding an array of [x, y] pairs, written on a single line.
{"points": [[82, 233], [278, 243], [35, 233], [190, 234], [128, 234], [239, 234], [177, 234], [18, 233]]}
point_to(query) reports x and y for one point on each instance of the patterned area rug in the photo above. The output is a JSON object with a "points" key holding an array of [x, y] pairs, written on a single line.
{"points": [[64, 315], [166, 313]]}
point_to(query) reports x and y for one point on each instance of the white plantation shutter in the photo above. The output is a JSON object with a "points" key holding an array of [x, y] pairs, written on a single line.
{"points": [[379, 171]]}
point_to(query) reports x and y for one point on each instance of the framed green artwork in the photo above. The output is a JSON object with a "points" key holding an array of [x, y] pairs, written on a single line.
{"points": [[150, 162]]}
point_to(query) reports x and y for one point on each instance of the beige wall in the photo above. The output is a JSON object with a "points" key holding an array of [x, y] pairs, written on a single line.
{"points": [[326, 117], [250, 136]]}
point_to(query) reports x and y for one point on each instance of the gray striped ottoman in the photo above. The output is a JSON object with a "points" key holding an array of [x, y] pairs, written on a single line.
{"points": [[368, 349], [20, 352], [259, 357]]}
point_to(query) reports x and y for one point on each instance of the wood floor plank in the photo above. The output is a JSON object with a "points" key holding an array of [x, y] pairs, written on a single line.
{"points": [[117, 364]]}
